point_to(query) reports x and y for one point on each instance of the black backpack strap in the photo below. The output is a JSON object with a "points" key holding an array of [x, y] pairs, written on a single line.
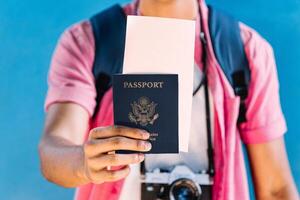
{"points": [[109, 29], [229, 51]]}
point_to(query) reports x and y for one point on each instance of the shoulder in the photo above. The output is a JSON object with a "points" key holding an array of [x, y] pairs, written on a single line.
{"points": [[258, 50], [265, 120], [70, 72], [250, 36], [80, 33], [75, 44]]}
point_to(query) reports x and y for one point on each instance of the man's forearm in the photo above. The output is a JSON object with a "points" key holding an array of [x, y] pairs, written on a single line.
{"points": [[62, 162], [271, 172]]}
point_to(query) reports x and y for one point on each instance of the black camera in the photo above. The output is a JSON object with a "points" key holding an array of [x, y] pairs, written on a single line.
{"points": [[179, 184]]}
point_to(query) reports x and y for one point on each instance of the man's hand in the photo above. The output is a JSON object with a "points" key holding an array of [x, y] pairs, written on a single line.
{"points": [[69, 162], [108, 139]]}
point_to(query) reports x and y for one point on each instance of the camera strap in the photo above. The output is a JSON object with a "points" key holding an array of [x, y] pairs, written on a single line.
{"points": [[210, 151]]}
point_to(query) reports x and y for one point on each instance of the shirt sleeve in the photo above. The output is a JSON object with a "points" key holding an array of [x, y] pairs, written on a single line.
{"points": [[70, 78], [265, 120]]}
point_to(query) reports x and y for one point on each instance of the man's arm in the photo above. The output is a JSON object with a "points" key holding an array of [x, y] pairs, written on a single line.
{"points": [[66, 161], [271, 172]]}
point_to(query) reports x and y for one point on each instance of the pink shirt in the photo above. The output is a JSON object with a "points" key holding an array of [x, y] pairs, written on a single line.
{"points": [[71, 80]]}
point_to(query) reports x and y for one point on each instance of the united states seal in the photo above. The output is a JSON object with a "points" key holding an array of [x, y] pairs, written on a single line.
{"points": [[143, 111]]}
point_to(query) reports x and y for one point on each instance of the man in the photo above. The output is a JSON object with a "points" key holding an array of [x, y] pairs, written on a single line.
{"points": [[72, 155]]}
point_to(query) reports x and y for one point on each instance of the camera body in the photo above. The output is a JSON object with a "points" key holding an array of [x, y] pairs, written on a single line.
{"points": [[181, 183]]}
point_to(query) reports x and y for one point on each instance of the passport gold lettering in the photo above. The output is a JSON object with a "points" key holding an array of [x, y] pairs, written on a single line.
{"points": [[153, 136], [141, 84]]}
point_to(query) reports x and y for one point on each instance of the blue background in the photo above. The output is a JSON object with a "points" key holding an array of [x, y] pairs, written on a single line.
{"points": [[28, 33]]}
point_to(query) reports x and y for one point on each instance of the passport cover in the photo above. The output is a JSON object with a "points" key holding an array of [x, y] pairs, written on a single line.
{"points": [[149, 102]]}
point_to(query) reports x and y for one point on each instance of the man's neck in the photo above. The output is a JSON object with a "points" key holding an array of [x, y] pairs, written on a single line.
{"points": [[182, 9]]}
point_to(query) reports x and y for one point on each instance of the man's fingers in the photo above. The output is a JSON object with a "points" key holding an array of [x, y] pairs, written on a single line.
{"points": [[123, 143], [95, 147], [103, 161], [104, 175], [111, 131]]}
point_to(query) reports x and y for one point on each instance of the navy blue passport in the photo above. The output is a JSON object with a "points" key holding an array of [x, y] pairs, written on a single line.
{"points": [[149, 102]]}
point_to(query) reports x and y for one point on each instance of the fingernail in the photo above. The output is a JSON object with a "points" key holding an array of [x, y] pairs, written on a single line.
{"points": [[147, 145], [145, 134]]}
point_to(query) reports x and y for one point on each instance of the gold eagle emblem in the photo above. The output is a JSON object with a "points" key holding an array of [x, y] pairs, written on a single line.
{"points": [[143, 112]]}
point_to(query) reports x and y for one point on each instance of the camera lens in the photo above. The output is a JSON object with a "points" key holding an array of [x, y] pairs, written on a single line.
{"points": [[184, 189]]}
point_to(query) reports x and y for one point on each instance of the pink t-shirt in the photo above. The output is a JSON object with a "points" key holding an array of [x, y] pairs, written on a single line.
{"points": [[71, 80]]}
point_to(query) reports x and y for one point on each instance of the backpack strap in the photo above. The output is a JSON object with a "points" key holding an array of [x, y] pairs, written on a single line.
{"points": [[229, 51], [109, 29]]}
